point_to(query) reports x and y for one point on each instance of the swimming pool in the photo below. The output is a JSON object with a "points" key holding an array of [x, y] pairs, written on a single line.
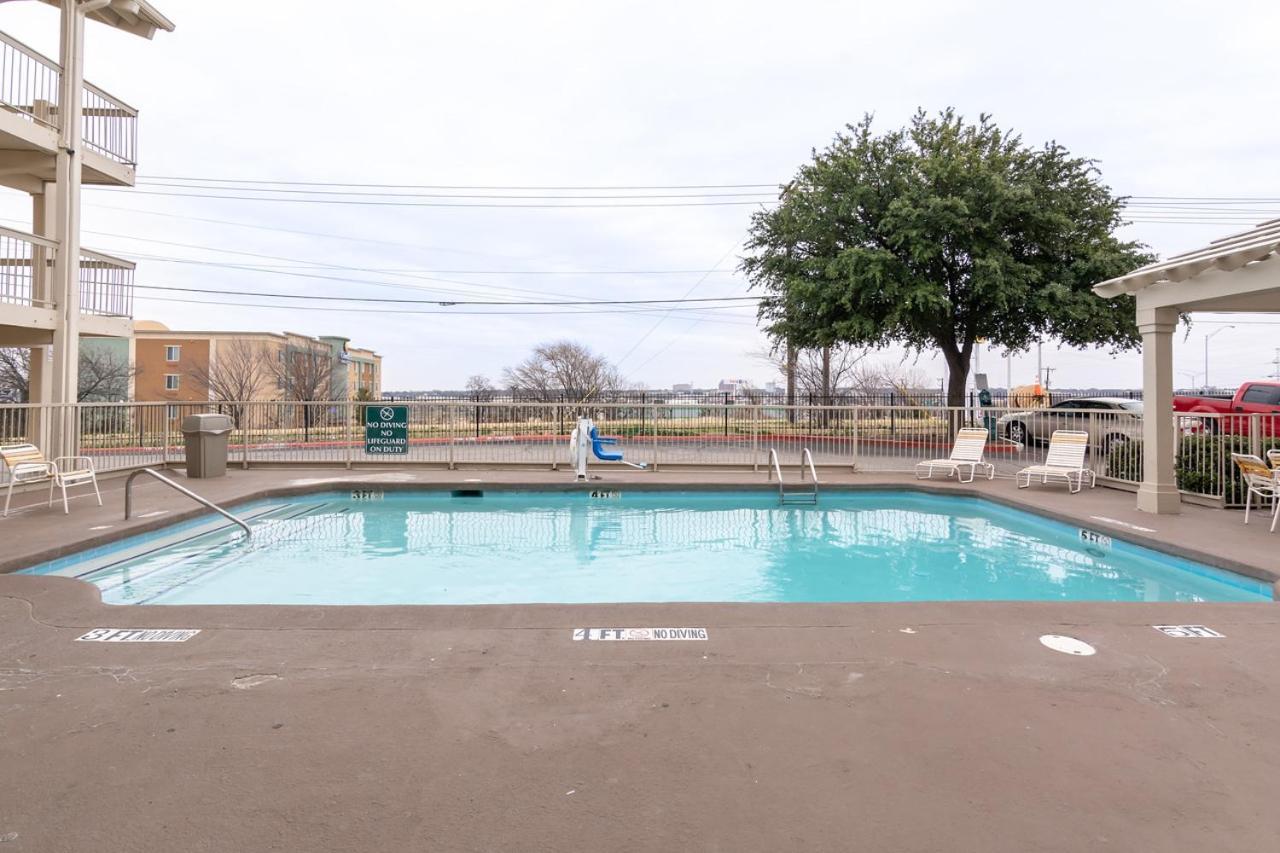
{"points": [[498, 547]]}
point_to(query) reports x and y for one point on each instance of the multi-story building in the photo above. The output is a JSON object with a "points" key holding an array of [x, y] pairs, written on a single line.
{"points": [[197, 366], [56, 132]]}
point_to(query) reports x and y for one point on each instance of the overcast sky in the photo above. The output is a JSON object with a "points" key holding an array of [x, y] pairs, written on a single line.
{"points": [[1173, 99]]}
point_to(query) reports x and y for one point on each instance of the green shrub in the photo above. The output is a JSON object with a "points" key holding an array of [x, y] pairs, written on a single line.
{"points": [[1201, 463]]}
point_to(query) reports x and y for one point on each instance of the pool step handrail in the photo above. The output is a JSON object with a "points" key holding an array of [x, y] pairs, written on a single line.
{"points": [[128, 498], [801, 495]]}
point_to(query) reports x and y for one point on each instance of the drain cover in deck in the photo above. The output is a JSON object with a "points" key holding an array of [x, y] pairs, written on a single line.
{"points": [[1067, 645]]}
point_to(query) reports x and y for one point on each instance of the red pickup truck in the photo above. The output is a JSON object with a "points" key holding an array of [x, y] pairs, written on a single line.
{"points": [[1252, 398]]}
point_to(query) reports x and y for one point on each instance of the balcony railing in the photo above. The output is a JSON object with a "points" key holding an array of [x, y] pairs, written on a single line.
{"points": [[106, 285], [21, 256], [106, 282], [30, 86]]}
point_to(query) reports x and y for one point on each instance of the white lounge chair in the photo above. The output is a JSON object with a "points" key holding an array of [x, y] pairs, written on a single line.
{"points": [[28, 465], [1065, 459], [1261, 481], [967, 453]]}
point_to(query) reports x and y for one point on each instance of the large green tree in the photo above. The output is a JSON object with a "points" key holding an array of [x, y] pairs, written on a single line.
{"points": [[938, 235]]}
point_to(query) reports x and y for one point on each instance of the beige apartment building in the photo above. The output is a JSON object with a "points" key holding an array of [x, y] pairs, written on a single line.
{"points": [[197, 366]]}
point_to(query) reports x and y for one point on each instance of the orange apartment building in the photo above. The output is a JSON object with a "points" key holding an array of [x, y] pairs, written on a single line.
{"points": [[175, 366]]}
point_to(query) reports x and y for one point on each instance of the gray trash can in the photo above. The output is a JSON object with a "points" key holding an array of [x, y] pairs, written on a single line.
{"points": [[206, 437]]}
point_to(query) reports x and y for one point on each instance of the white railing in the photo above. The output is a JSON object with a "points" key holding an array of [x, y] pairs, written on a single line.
{"points": [[22, 257], [106, 282], [453, 434], [106, 285], [30, 86]]}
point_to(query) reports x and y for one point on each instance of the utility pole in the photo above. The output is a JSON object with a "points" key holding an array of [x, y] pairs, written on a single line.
{"points": [[1047, 372], [1207, 338]]}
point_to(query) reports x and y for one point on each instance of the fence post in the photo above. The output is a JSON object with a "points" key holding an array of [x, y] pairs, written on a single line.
{"points": [[893, 423], [164, 437], [726, 414], [853, 464], [452, 433], [1097, 451], [1255, 434], [351, 439], [654, 419], [755, 438]]}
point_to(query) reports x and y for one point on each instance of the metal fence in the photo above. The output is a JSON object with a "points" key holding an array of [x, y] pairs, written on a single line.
{"points": [[886, 439], [749, 397]]}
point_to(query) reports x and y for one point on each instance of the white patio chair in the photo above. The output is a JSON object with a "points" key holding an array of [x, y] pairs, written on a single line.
{"points": [[1065, 459], [1261, 481], [1273, 457], [27, 465], [967, 452]]}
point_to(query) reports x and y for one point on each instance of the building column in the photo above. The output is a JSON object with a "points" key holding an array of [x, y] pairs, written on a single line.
{"points": [[1159, 490], [40, 365], [65, 287]]}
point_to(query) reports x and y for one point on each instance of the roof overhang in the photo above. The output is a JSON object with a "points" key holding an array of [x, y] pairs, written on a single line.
{"points": [[1234, 270], [133, 16]]}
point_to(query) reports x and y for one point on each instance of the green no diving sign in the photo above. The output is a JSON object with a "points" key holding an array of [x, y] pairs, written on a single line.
{"points": [[386, 430]]}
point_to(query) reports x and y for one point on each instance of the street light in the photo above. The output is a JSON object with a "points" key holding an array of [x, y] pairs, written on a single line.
{"points": [[1206, 353]]}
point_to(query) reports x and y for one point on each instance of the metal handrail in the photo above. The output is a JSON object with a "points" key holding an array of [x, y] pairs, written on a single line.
{"points": [[128, 498], [775, 468], [807, 458]]}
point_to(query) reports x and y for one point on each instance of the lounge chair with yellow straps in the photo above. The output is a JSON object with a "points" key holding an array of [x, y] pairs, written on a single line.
{"points": [[1261, 481], [1065, 459]]}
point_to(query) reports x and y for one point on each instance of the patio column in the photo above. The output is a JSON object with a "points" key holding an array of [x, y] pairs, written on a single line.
{"points": [[1159, 490]]}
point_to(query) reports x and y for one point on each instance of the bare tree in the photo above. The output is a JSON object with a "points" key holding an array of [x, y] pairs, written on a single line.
{"points": [[563, 368], [15, 370], [480, 388], [820, 374], [237, 374], [305, 374], [104, 376]]}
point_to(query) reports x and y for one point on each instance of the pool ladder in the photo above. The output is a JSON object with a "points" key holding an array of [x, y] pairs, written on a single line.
{"points": [[804, 494]]}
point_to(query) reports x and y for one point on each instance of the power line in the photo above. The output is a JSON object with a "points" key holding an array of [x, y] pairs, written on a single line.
{"points": [[345, 192], [373, 241], [309, 264], [585, 188], [663, 318], [766, 185], [344, 279], [447, 302], [612, 205], [612, 312]]}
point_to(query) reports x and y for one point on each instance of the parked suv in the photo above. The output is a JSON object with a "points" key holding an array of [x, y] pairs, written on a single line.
{"points": [[1108, 420]]}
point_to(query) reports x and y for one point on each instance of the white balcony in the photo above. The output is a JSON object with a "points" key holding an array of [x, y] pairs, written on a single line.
{"points": [[30, 118], [27, 313]]}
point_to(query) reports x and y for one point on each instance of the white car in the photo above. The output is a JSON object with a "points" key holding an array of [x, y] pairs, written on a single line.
{"points": [[1108, 420]]}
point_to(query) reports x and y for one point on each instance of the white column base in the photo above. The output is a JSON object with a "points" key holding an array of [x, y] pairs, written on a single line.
{"points": [[1162, 500]]}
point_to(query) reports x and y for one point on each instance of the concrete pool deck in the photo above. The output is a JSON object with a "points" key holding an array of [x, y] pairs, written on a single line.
{"points": [[905, 727]]}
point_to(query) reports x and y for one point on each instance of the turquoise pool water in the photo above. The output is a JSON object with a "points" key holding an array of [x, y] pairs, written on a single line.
{"points": [[525, 547]]}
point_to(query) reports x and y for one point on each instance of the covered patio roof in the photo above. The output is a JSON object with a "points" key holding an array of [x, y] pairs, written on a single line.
{"points": [[1239, 272], [133, 16], [1232, 273]]}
